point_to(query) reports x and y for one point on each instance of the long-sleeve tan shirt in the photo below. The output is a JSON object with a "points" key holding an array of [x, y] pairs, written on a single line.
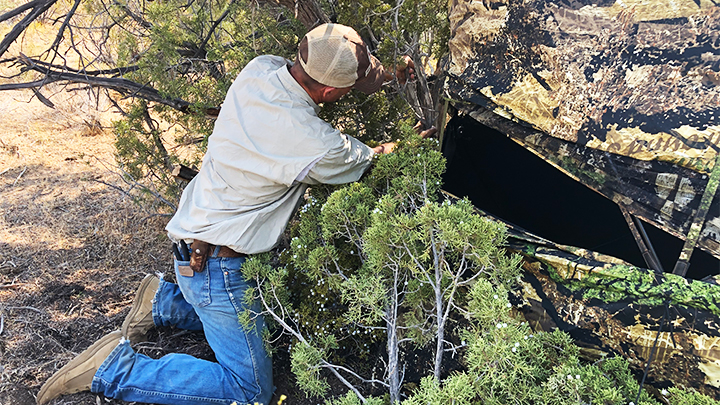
{"points": [[268, 144]]}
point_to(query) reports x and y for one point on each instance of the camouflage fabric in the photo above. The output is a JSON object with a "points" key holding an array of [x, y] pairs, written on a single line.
{"points": [[623, 96], [623, 310], [630, 77], [610, 307]]}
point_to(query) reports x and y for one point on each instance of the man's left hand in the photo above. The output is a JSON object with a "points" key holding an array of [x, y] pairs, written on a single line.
{"points": [[405, 69], [427, 133]]}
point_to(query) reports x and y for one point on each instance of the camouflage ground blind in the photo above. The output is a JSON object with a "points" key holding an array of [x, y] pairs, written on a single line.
{"points": [[622, 95], [612, 308], [616, 309]]}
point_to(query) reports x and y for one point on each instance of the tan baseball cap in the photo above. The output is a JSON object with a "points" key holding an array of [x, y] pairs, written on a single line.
{"points": [[338, 57]]}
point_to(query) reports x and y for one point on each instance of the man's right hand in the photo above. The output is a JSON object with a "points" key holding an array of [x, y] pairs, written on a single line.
{"points": [[428, 133], [404, 70]]}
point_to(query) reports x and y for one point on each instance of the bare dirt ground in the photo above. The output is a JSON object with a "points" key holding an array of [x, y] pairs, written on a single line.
{"points": [[73, 249]]}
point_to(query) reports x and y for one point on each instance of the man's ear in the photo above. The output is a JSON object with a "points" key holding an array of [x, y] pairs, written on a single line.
{"points": [[327, 92]]}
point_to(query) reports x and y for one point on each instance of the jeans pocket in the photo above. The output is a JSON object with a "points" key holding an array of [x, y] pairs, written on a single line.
{"points": [[195, 289]]}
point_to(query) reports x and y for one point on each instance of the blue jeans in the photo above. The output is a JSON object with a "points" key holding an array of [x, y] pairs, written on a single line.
{"points": [[209, 301]]}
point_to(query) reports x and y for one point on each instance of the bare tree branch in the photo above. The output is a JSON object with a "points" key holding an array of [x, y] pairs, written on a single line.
{"points": [[141, 21], [39, 7], [64, 25], [121, 85], [18, 10], [42, 98], [372, 381], [307, 11], [281, 321], [103, 72], [213, 28]]}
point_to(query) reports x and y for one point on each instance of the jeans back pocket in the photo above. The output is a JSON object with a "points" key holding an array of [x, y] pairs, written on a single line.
{"points": [[195, 289]]}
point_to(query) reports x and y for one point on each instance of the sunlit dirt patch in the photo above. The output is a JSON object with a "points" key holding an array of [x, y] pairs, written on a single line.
{"points": [[73, 249]]}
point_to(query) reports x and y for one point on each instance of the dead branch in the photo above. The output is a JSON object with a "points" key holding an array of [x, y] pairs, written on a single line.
{"points": [[61, 30], [155, 133], [28, 308], [217, 22], [42, 98], [115, 72], [307, 11], [141, 21], [38, 8], [20, 175], [280, 319], [52, 73], [18, 10], [347, 370], [13, 285], [133, 184]]}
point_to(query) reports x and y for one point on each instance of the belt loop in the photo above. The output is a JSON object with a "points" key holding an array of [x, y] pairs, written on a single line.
{"points": [[216, 250]]}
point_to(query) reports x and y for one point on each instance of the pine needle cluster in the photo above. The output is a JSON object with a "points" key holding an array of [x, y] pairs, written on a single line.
{"points": [[384, 268]]}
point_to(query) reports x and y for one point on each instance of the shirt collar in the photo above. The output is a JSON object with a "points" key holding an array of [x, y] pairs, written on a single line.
{"points": [[294, 87]]}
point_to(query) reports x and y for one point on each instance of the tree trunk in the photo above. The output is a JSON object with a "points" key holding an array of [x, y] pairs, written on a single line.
{"points": [[393, 345], [307, 11], [440, 327], [438, 309], [393, 361]]}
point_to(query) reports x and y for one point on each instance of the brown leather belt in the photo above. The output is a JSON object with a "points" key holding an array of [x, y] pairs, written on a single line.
{"points": [[227, 252], [224, 251]]}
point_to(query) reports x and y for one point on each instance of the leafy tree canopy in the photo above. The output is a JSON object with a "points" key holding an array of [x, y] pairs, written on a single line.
{"points": [[167, 66]]}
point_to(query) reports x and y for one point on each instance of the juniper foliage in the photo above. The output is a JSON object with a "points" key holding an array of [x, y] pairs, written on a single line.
{"points": [[388, 268], [382, 264], [193, 51]]}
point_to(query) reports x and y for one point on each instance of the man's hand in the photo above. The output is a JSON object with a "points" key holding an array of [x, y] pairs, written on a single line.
{"points": [[384, 148], [428, 133], [389, 147], [405, 69]]}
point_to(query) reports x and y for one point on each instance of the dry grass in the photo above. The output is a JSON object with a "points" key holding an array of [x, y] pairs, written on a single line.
{"points": [[72, 249]]}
